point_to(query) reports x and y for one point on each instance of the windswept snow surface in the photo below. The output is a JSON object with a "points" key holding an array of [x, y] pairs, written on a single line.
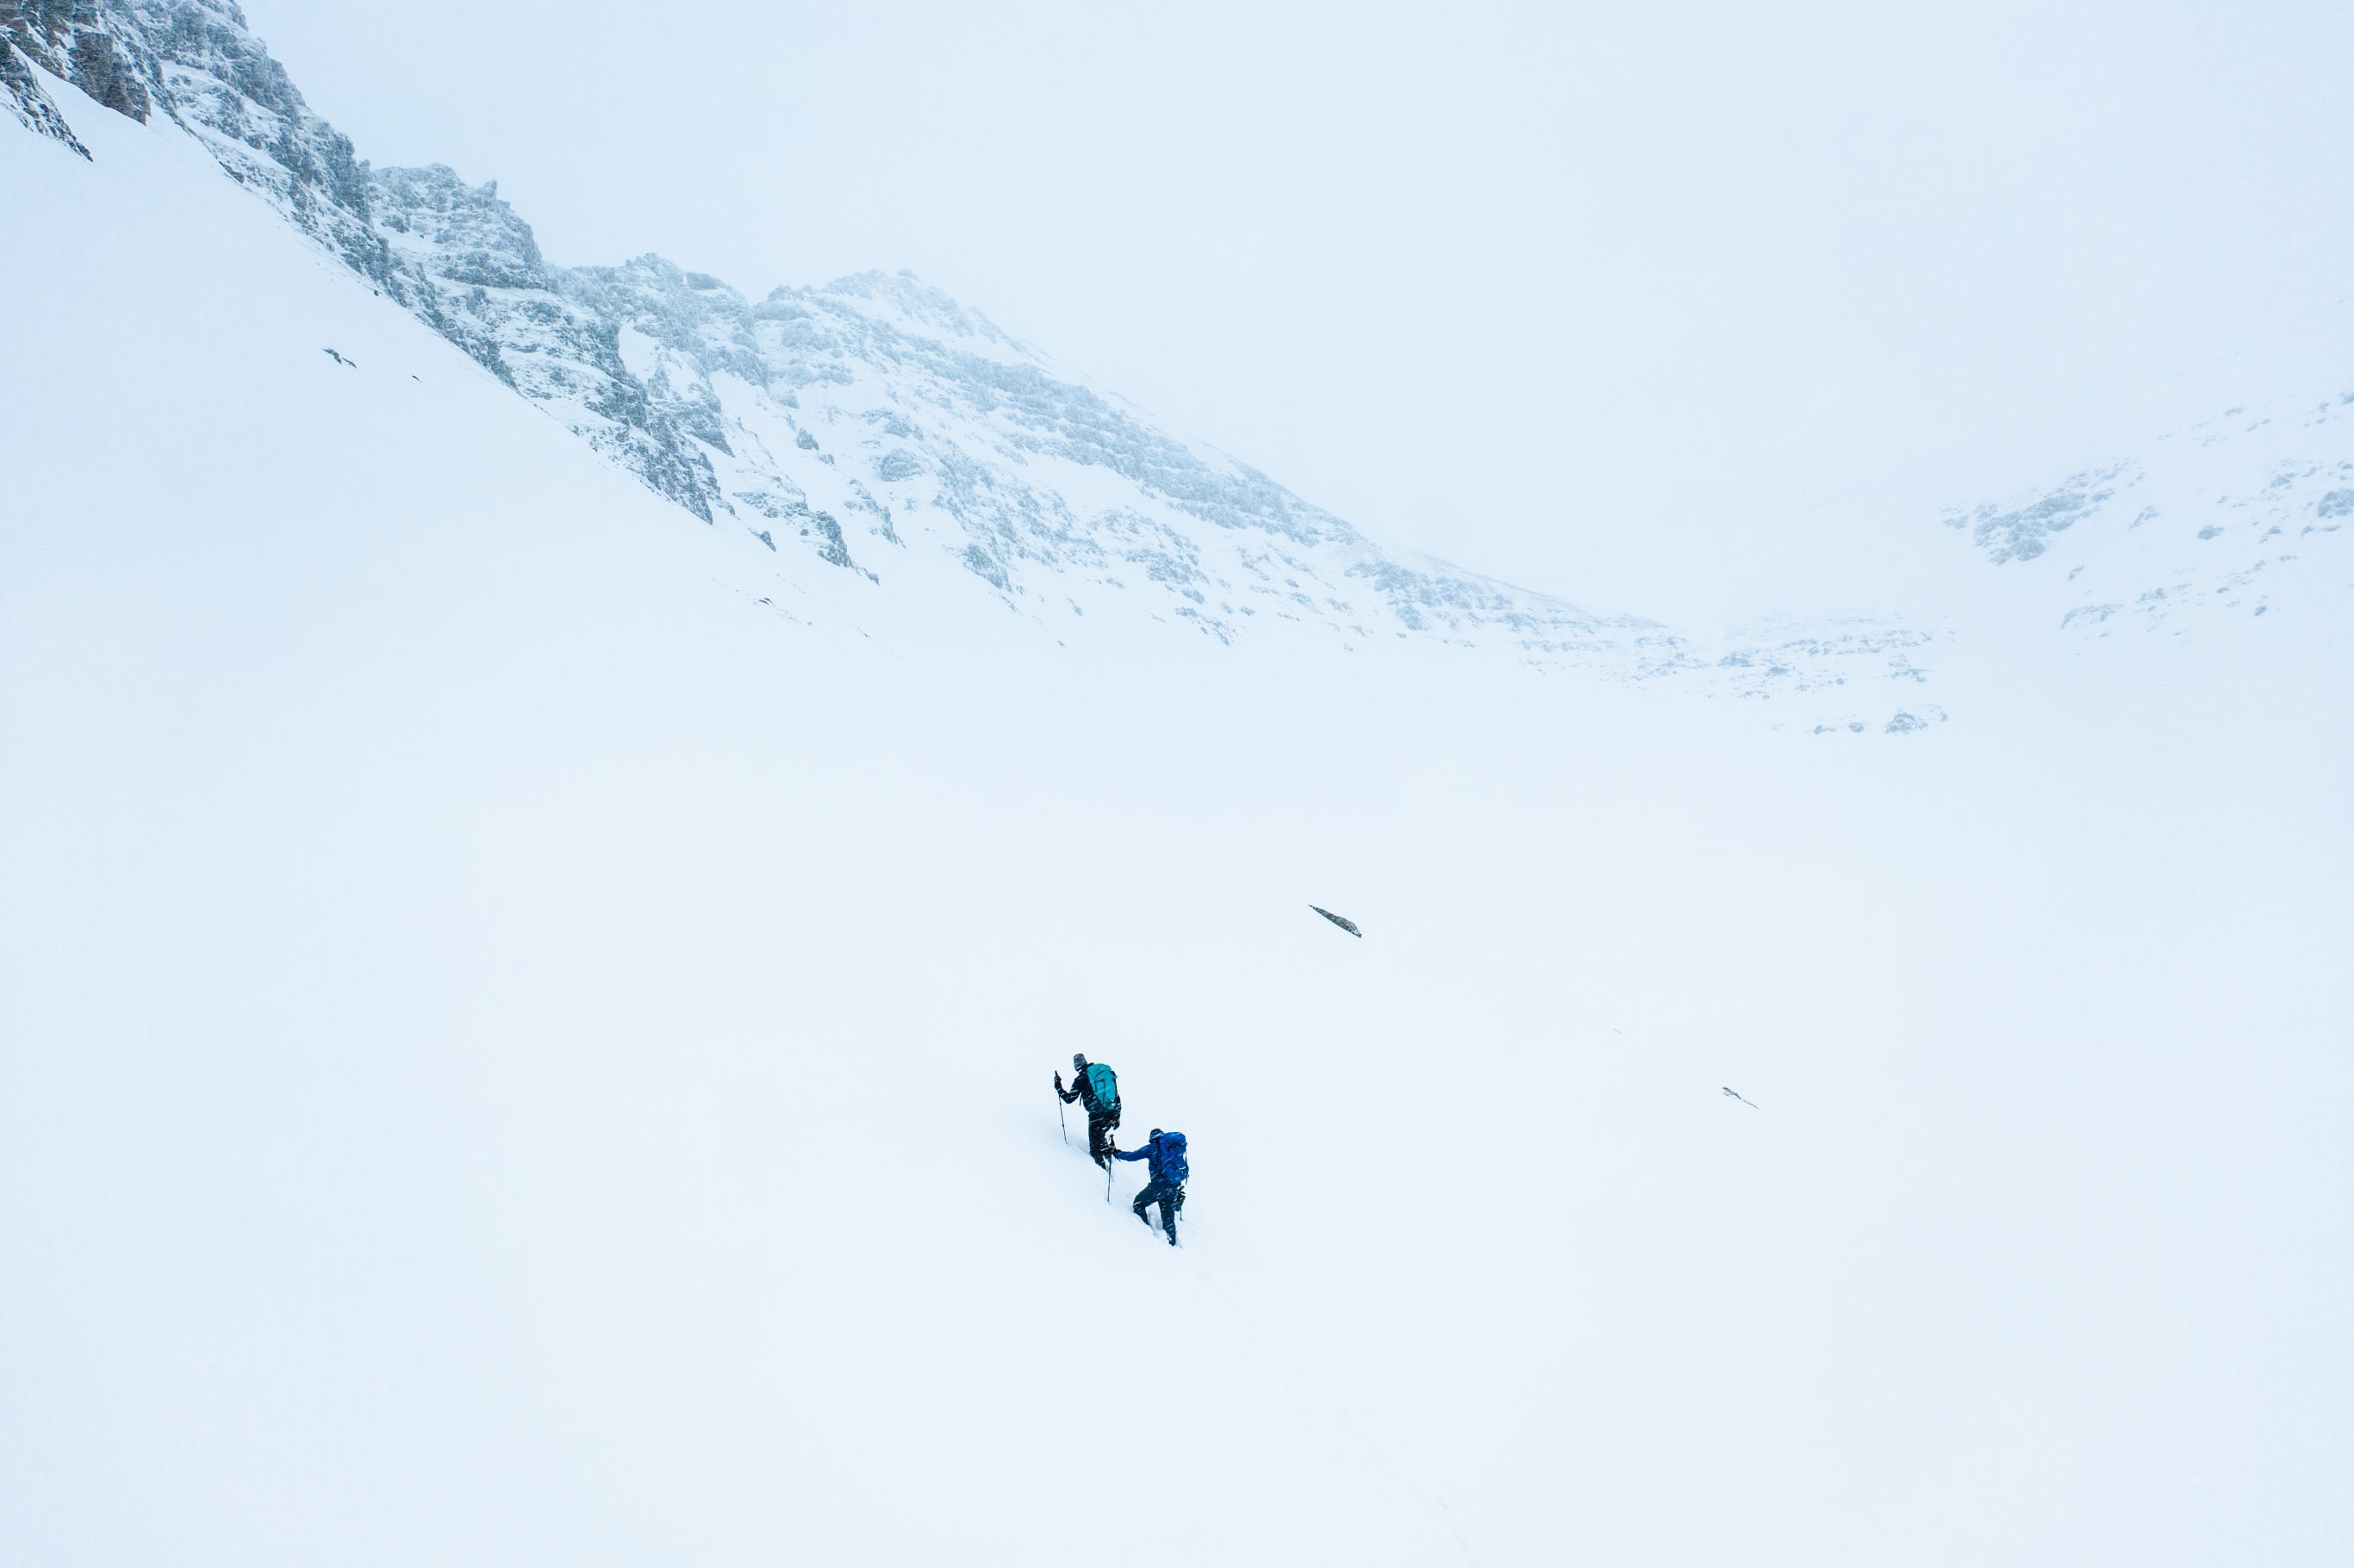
{"points": [[527, 1043]]}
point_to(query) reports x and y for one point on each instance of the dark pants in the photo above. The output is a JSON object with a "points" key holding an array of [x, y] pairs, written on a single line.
{"points": [[1171, 1196], [1100, 1136]]}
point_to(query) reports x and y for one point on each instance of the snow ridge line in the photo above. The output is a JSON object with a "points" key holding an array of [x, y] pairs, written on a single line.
{"points": [[826, 417]]}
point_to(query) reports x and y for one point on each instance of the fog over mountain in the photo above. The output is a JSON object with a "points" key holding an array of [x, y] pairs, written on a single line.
{"points": [[824, 418]]}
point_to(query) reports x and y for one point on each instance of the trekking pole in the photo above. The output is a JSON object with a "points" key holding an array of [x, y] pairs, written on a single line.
{"points": [[1062, 1115], [1111, 1147]]}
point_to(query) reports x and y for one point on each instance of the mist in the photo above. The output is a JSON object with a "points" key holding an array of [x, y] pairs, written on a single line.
{"points": [[1659, 310]]}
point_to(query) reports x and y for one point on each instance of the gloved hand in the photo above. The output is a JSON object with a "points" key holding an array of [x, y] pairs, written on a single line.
{"points": [[1058, 1083]]}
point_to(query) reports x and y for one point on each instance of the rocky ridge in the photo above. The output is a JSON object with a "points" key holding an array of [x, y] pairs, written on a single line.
{"points": [[858, 420]]}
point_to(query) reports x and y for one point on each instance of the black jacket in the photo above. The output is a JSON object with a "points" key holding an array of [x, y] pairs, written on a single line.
{"points": [[1085, 1092]]}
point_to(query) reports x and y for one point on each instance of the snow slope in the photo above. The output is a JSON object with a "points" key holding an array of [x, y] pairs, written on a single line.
{"points": [[527, 1025]]}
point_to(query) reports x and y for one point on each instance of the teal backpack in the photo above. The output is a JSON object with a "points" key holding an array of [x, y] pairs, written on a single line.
{"points": [[1105, 1085]]}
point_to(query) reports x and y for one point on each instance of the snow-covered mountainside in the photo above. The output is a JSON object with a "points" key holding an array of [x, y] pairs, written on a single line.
{"points": [[818, 418], [879, 429], [2236, 515], [874, 417]]}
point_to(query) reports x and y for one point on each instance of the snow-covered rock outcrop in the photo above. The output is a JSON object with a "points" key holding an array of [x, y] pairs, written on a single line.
{"points": [[2223, 516]]}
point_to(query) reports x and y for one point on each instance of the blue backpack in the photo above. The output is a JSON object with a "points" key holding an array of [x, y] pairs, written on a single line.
{"points": [[1105, 1085], [1172, 1156]]}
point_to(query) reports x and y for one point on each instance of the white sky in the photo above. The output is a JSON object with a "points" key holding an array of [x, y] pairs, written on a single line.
{"points": [[1604, 299]]}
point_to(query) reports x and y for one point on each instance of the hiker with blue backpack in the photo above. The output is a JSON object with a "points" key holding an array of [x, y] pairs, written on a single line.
{"points": [[1093, 1085], [1169, 1170]]}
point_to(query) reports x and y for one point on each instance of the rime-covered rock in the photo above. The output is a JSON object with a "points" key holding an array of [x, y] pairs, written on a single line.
{"points": [[861, 420]]}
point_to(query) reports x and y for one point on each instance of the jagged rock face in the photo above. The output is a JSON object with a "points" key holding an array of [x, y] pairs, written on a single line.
{"points": [[461, 258], [867, 421], [72, 40], [22, 92], [197, 61], [834, 412], [882, 398]]}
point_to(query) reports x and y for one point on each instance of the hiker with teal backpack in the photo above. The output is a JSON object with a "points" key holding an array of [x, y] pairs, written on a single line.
{"points": [[1169, 1170], [1093, 1085]]}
